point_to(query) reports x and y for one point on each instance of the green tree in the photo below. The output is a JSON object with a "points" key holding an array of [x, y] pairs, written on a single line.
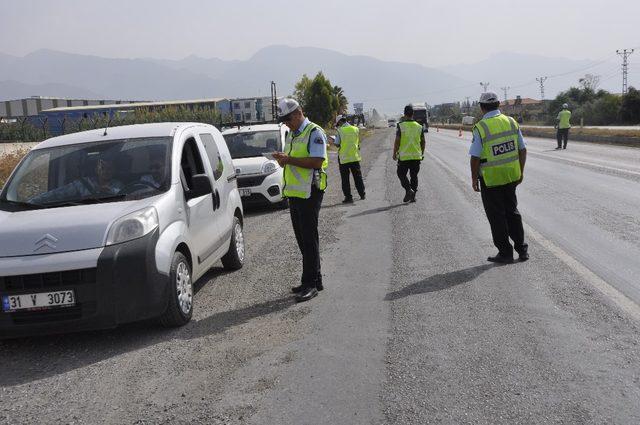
{"points": [[630, 107], [343, 103], [318, 99], [301, 90]]}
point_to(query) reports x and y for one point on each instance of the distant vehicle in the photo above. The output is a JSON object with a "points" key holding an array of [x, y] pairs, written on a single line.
{"points": [[468, 120], [392, 122], [114, 227], [259, 178], [421, 115]]}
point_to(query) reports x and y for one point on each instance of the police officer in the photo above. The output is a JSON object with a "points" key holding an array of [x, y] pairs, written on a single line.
{"points": [[409, 151], [498, 155], [348, 142], [563, 121], [305, 180]]}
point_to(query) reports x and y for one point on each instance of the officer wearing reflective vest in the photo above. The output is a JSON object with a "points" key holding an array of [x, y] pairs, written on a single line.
{"points": [[563, 124], [498, 155], [409, 151], [305, 162], [348, 142]]}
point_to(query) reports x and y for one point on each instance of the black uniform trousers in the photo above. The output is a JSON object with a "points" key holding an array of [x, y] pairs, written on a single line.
{"points": [[501, 206], [413, 168], [351, 168], [563, 136], [304, 217]]}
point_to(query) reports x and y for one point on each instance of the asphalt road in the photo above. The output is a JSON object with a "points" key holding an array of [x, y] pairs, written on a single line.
{"points": [[413, 326]]}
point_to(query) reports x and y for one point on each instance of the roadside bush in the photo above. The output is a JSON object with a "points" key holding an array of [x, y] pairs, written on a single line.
{"points": [[8, 162], [26, 132]]}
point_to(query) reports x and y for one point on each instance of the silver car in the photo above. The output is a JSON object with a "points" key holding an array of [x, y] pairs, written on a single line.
{"points": [[105, 227]]}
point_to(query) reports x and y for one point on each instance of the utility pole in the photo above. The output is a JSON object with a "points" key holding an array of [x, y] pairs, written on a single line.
{"points": [[274, 102], [541, 80], [625, 64], [484, 86], [506, 91]]}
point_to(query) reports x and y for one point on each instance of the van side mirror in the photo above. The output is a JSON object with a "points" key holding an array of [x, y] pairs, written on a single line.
{"points": [[201, 186]]}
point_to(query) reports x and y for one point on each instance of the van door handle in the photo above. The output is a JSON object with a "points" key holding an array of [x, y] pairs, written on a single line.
{"points": [[216, 200]]}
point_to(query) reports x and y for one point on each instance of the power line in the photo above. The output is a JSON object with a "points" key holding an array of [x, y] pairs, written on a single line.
{"points": [[541, 80], [506, 91], [484, 86], [625, 65]]}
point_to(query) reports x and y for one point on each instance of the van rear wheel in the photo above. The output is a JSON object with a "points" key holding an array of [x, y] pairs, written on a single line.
{"points": [[234, 258], [180, 303]]}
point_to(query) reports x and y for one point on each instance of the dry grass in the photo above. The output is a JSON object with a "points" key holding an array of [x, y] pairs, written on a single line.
{"points": [[551, 132], [606, 132], [8, 162]]}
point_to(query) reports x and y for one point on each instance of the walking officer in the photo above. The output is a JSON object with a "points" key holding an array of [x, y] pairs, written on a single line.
{"points": [[409, 151], [563, 123], [305, 180], [348, 142], [498, 155]]}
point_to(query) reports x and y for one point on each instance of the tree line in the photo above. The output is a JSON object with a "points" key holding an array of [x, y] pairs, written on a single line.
{"points": [[589, 105]]}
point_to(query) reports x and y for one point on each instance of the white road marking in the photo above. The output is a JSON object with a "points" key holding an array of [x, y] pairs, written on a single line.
{"points": [[621, 300], [569, 160], [590, 164]]}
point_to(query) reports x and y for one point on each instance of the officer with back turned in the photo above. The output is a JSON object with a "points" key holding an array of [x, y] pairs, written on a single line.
{"points": [[408, 149], [348, 142], [498, 155], [305, 180]]}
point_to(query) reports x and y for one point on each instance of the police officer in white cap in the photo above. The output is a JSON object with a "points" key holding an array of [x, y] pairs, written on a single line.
{"points": [[498, 155], [305, 180], [348, 142]]}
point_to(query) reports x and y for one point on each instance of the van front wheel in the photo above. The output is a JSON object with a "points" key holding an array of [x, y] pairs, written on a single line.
{"points": [[234, 258], [180, 303]]}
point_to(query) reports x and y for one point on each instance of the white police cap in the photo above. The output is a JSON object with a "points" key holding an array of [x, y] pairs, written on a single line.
{"points": [[286, 106], [489, 97]]}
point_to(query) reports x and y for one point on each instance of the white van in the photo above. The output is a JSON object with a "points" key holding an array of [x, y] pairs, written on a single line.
{"points": [[100, 228], [259, 178]]}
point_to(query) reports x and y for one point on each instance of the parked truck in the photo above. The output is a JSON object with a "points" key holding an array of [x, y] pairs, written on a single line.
{"points": [[421, 115]]}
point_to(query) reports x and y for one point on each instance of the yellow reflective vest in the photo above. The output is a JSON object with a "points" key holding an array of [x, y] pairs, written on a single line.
{"points": [[298, 181], [349, 144], [500, 158], [410, 138]]}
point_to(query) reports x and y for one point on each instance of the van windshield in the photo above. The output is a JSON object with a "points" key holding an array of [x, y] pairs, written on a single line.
{"points": [[91, 173], [252, 144]]}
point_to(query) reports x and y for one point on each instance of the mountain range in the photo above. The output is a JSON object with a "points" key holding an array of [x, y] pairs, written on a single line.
{"points": [[384, 85]]}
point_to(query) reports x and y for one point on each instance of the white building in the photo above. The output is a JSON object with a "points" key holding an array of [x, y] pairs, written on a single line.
{"points": [[33, 105], [251, 109]]}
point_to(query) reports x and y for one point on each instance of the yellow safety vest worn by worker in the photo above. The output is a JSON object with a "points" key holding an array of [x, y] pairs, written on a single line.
{"points": [[564, 119], [500, 159], [349, 144], [410, 137], [297, 180]]}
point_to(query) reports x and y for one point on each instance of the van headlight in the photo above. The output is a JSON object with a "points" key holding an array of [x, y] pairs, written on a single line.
{"points": [[269, 167], [132, 226]]}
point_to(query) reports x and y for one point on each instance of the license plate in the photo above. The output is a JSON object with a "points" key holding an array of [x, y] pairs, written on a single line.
{"points": [[40, 301], [245, 192]]}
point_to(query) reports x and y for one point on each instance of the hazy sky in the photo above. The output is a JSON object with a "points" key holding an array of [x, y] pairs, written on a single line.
{"points": [[422, 31]]}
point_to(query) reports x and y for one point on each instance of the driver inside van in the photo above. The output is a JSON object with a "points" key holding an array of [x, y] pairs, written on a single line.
{"points": [[98, 185]]}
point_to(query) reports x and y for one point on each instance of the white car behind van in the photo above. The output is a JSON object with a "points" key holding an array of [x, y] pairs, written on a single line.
{"points": [[259, 178]]}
